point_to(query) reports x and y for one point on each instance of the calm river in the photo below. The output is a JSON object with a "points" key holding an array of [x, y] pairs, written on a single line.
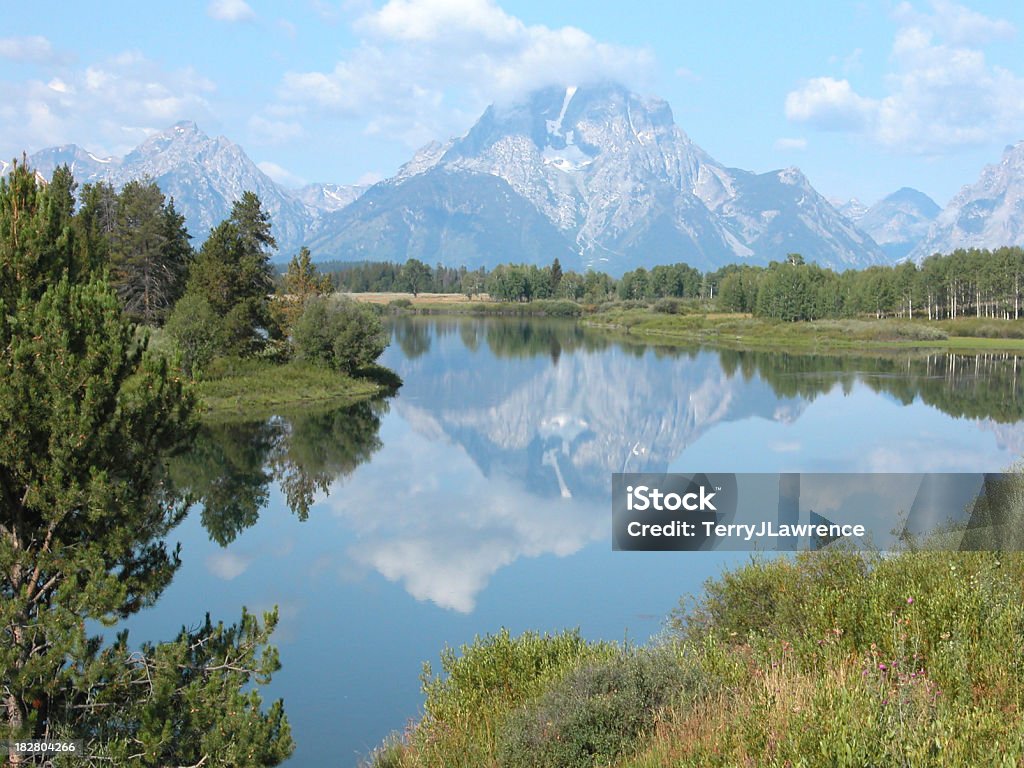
{"points": [[479, 496]]}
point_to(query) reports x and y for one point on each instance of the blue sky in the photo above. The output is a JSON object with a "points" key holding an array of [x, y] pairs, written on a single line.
{"points": [[864, 97]]}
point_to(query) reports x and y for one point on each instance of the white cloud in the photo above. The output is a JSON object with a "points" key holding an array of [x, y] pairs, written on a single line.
{"points": [[425, 68], [786, 446], [107, 106], [941, 93], [58, 85], [447, 21], [230, 10], [35, 49], [956, 23], [854, 62], [287, 27], [281, 175], [830, 104]]}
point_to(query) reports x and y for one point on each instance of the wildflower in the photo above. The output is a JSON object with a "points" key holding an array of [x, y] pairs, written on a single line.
{"points": [[910, 601]]}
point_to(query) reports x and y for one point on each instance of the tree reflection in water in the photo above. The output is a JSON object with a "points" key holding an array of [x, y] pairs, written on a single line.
{"points": [[232, 465]]}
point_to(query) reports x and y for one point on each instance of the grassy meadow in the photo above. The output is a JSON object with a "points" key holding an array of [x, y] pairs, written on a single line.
{"points": [[826, 658]]}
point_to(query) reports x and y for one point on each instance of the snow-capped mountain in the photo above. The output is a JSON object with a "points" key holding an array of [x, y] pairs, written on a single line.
{"points": [[594, 175], [204, 175], [987, 214], [83, 164], [897, 222], [853, 209], [329, 197], [618, 181]]}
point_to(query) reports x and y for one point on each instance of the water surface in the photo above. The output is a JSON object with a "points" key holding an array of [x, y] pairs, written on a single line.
{"points": [[479, 496]]}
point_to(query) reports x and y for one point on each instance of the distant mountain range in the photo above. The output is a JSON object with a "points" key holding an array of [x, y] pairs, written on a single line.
{"points": [[205, 176], [594, 175], [598, 177], [986, 214], [898, 222]]}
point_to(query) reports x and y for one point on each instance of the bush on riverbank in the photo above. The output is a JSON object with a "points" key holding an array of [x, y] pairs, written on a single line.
{"points": [[984, 328], [825, 658], [339, 333]]}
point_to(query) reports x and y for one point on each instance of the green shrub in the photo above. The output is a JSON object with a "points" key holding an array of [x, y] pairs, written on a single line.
{"points": [[670, 306], [986, 328], [196, 330], [918, 332], [486, 680], [556, 308], [399, 304], [390, 754], [593, 714], [501, 669], [339, 333]]}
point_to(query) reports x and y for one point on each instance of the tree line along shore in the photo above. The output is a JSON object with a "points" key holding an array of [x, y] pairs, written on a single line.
{"points": [[966, 283], [965, 300]]}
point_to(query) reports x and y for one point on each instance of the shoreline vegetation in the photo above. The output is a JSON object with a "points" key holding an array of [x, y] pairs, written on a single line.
{"points": [[233, 387], [251, 389], [825, 658], [682, 322]]}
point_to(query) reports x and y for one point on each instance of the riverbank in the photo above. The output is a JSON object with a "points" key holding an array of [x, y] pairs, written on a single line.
{"points": [[827, 658], [746, 332], [257, 388], [458, 304], [678, 322]]}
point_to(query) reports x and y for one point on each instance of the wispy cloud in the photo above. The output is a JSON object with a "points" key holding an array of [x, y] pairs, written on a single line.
{"points": [[118, 101], [790, 144], [34, 49], [230, 10], [281, 175], [941, 93]]}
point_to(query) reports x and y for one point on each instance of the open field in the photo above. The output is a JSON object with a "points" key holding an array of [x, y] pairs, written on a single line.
{"points": [[420, 300]]}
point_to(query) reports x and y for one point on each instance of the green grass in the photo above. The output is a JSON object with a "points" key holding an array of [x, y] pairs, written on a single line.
{"points": [[744, 331], [538, 308], [824, 658], [233, 387]]}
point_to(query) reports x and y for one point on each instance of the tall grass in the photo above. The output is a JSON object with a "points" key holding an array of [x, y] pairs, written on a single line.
{"points": [[826, 658]]}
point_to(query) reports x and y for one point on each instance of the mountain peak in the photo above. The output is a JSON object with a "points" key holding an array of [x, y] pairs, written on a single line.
{"points": [[908, 196], [184, 127], [618, 182], [985, 214]]}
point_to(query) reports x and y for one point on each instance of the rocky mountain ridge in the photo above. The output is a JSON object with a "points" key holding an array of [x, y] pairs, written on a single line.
{"points": [[594, 175], [986, 214]]}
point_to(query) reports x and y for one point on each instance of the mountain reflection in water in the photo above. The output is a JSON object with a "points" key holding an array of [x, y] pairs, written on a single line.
{"points": [[479, 495]]}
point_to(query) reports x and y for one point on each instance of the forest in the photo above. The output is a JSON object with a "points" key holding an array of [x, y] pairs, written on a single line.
{"points": [[978, 283]]}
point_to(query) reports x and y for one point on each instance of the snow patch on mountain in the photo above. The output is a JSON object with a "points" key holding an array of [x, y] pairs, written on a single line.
{"points": [[987, 214], [204, 176]]}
